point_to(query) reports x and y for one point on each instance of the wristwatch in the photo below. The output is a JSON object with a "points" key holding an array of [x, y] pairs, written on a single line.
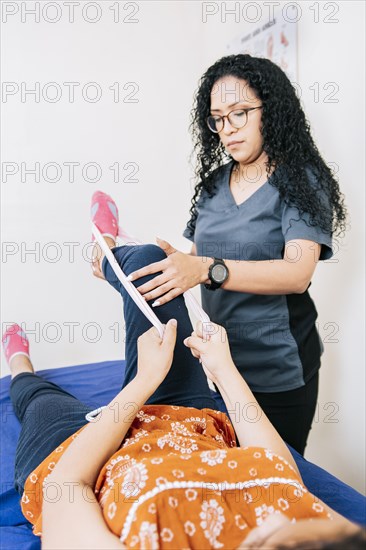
{"points": [[217, 273]]}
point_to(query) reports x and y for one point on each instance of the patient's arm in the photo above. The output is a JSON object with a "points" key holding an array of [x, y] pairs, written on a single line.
{"points": [[193, 250], [76, 521], [82, 524], [252, 426], [76, 472]]}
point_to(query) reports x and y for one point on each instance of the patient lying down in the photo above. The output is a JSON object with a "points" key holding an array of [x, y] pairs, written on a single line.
{"points": [[153, 472]]}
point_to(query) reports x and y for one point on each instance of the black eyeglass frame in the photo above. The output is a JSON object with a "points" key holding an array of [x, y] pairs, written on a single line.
{"points": [[222, 117]]}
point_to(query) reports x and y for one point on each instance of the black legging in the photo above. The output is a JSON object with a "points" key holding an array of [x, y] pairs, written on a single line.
{"points": [[291, 412]]}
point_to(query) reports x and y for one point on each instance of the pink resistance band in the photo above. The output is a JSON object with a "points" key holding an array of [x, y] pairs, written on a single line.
{"points": [[190, 300]]}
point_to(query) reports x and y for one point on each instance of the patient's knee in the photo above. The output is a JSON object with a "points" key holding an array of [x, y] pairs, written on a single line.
{"points": [[136, 257], [146, 254], [152, 251]]}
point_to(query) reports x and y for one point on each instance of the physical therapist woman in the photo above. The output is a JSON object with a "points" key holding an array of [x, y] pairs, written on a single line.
{"points": [[264, 212]]}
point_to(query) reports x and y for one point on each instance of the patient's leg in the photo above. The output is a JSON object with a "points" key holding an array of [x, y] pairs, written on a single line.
{"points": [[48, 414], [186, 383]]}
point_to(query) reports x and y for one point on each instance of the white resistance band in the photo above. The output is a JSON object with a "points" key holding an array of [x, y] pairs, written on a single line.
{"points": [[189, 299]]}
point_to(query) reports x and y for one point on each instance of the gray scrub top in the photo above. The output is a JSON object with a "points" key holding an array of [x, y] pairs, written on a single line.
{"points": [[273, 338]]}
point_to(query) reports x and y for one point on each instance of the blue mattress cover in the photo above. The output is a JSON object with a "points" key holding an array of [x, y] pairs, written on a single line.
{"points": [[96, 384]]}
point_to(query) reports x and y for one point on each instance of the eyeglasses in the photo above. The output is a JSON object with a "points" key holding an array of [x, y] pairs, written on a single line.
{"points": [[237, 118]]}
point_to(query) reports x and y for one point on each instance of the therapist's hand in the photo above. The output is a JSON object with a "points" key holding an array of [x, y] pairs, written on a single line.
{"points": [[180, 272]]}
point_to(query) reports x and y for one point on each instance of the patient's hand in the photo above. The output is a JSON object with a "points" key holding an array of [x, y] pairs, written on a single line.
{"points": [[278, 531], [258, 537], [209, 343], [155, 354]]}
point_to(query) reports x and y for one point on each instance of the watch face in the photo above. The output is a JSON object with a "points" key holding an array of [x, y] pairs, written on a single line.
{"points": [[219, 273]]}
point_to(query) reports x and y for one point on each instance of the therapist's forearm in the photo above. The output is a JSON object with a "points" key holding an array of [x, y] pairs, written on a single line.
{"points": [[101, 438], [266, 277], [289, 275], [259, 277]]}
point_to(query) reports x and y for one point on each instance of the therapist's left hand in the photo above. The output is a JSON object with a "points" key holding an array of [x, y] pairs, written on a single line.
{"points": [[180, 272]]}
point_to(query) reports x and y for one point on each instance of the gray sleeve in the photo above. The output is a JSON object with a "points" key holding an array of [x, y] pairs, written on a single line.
{"points": [[295, 226]]}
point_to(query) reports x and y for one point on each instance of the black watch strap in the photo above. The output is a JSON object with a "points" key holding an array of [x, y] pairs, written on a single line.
{"points": [[214, 285]]}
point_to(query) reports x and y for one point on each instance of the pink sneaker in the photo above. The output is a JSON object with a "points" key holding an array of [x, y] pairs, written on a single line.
{"points": [[104, 214], [15, 342]]}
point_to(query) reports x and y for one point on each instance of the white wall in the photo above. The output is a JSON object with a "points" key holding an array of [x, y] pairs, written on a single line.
{"points": [[153, 133], [165, 54]]}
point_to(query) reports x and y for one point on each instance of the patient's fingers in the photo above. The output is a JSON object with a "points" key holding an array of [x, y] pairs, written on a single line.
{"points": [[195, 353], [199, 329], [195, 343]]}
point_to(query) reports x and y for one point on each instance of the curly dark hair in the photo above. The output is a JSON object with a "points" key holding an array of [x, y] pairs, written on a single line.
{"points": [[287, 141]]}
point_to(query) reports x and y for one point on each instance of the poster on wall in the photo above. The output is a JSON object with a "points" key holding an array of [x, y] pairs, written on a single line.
{"points": [[276, 40]]}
